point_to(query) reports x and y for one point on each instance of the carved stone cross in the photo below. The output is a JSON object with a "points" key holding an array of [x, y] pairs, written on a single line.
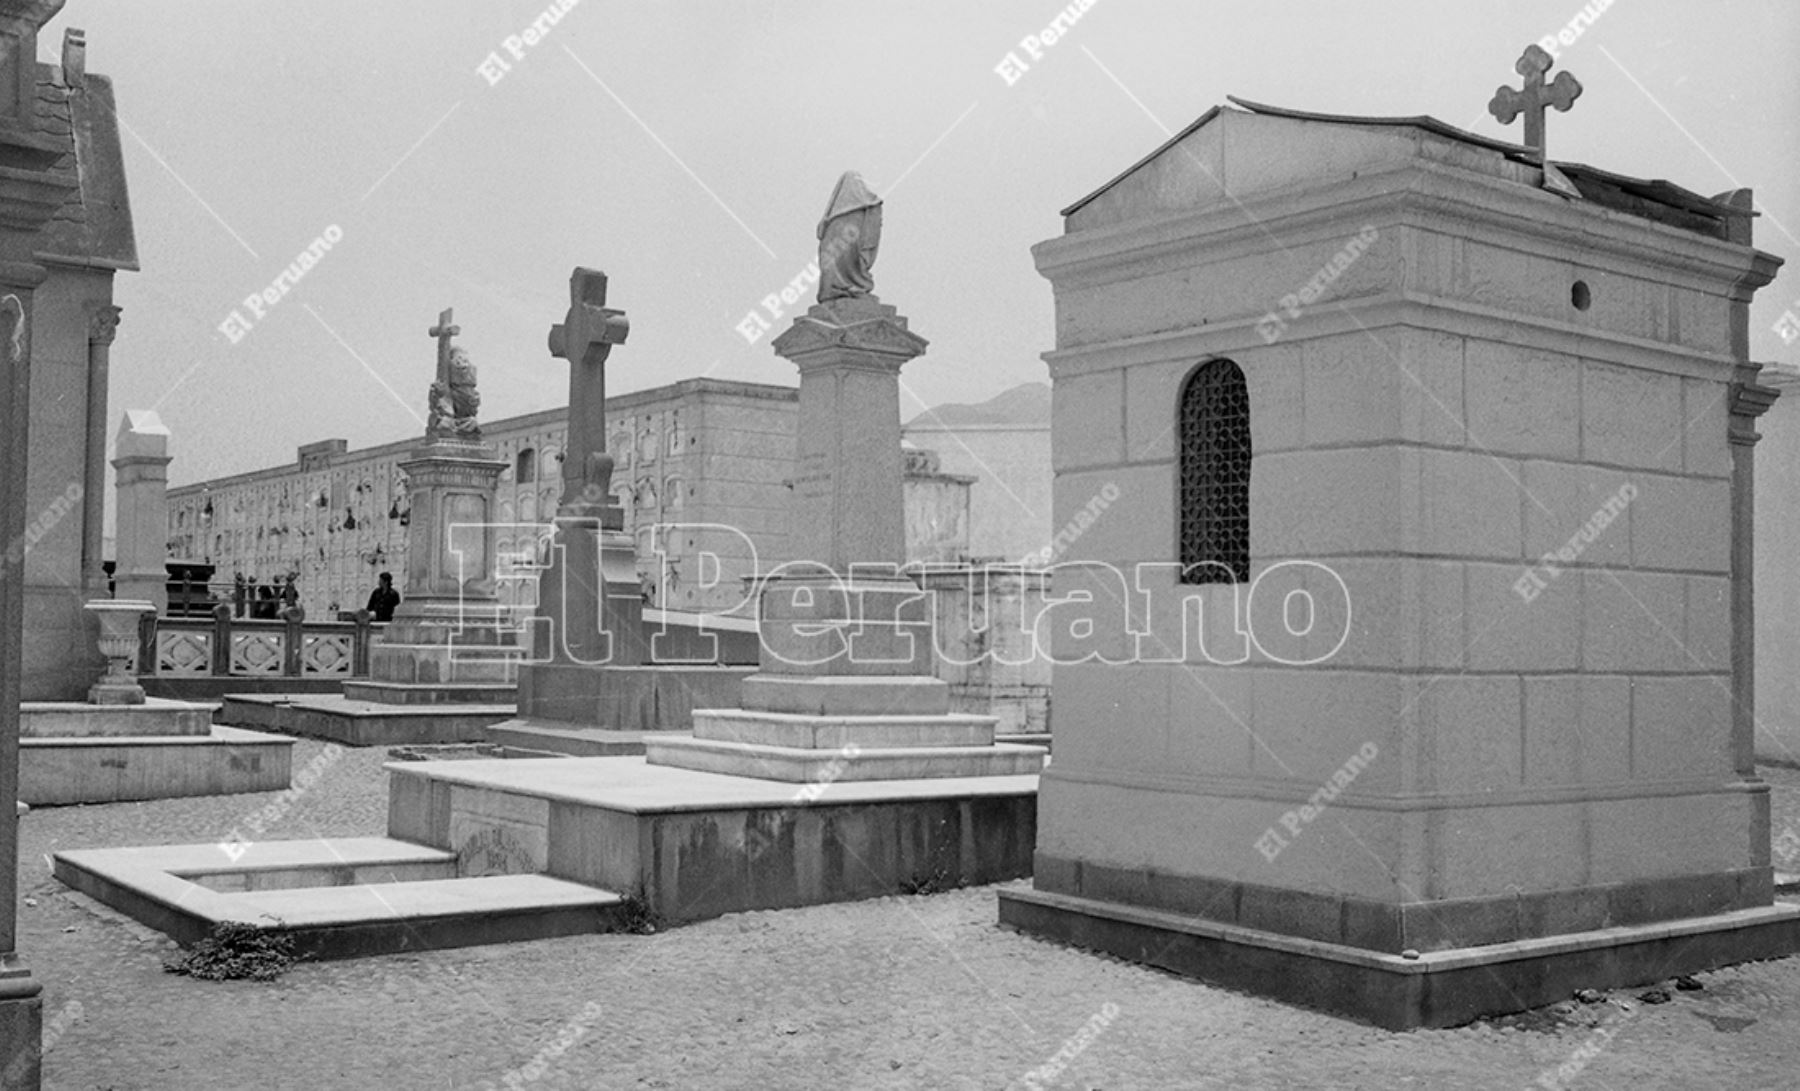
{"points": [[585, 338], [1535, 97], [444, 331]]}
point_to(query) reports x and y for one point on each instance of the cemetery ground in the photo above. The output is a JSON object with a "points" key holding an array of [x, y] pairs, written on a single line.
{"points": [[901, 992]]}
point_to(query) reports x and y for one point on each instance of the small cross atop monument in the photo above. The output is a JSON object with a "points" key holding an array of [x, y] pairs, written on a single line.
{"points": [[1535, 97], [444, 331], [585, 338]]}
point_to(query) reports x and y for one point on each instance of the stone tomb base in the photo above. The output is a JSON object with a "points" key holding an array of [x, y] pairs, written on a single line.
{"points": [[338, 898], [694, 845], [800, 749], [586, 711], [505, 850], [80, 753], [1443, 988], [365, 723]]}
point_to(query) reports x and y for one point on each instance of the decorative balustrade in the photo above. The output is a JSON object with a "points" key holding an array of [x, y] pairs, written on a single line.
{"points": [[227, 646]]}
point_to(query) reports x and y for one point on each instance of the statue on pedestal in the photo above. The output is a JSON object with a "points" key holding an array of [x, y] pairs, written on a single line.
{"points": [[454, 400], [849, 236]]}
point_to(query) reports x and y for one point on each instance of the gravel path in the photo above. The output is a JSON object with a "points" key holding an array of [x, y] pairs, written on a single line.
{"points": [[894, 993]]}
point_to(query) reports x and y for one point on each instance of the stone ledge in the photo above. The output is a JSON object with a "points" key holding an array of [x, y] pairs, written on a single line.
{"points": [[838, 732], [1442, 989], [796, 766], [226, 761], [154, 717], [1370, 925], [900, 695]]}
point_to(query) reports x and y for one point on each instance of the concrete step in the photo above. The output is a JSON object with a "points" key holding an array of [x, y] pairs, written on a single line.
{"points": [[575, 742], [803, 766], [340, 898], [838, 732]]}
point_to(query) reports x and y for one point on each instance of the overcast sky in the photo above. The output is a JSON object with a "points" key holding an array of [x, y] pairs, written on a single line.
{"points": [[687, 148]]}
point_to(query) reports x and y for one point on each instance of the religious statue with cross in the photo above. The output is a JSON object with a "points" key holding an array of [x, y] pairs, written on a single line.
{"points": [[1536, 97], [453, 399], [585, 338]]}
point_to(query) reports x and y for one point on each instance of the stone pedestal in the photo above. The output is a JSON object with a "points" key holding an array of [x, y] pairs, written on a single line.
{"points": [[846, 688], [1473, 733], [590, 615], [449, 632], [986, 629], [140, 547]]}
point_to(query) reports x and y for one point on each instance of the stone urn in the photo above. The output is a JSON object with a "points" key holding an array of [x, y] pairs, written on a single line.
{"points": [[119, 644]]}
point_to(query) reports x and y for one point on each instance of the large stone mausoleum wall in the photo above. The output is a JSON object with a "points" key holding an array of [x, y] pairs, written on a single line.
{"points": [[707, 452]]}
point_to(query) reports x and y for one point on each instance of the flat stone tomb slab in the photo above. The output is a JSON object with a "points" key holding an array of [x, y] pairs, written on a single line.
{"points": [[156, 716], [338, 897], [695, 844], [107, 768], [264, 710], [368, 723]]}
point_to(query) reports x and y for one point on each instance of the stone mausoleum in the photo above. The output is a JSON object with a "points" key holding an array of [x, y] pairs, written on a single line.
{"points": [[1461, 439]]}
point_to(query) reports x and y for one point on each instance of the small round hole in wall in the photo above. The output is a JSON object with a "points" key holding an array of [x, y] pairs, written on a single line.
{"points": [[1580, 296]]}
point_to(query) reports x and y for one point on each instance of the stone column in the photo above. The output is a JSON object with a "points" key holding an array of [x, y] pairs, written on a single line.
{"points": [[140, 545], [1748, 402], [21, 1007], [103, 325]]}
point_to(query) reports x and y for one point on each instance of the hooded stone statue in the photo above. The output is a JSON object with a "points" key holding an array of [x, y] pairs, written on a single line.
{"points": [[849, 235]]}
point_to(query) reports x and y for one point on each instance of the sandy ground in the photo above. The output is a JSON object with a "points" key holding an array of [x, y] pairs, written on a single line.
{"points": [[914, 992]]}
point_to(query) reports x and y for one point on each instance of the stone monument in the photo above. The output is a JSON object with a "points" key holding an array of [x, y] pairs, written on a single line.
{"points": [[847, 639], [447, 642], [599, 677], [141, 458], [591, 605], [1457, 477]]}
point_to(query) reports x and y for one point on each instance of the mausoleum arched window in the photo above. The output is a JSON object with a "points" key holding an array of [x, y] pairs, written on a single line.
{"points": [[1215, 475], [527, 468]]}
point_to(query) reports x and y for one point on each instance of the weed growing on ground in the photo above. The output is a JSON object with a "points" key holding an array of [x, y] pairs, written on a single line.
{"points": [[236, 952]]}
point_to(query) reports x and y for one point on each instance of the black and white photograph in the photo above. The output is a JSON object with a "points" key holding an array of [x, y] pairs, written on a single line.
{"points": [[800, 546]]}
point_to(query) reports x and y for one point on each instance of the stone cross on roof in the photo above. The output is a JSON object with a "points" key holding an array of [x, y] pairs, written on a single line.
{"points": [[1535, 97]]}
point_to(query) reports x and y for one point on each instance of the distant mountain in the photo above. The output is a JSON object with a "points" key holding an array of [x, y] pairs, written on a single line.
{"points": [[1028, 403]]}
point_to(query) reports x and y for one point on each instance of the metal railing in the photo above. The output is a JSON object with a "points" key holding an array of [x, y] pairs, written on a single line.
{"points": [[225, 646]]}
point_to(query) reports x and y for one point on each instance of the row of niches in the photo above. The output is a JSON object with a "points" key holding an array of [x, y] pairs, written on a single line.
{"points": [[646, 442]]}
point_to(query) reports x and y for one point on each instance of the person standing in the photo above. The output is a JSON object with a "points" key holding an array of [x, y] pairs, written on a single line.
{"points": [[384, 598]]}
